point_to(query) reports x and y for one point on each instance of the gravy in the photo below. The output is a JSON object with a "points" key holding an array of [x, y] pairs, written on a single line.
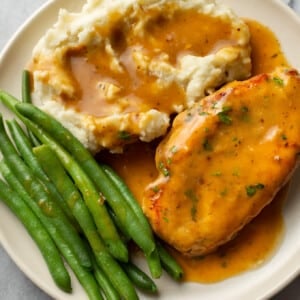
{"points": [[131, 79], [258, 240]]}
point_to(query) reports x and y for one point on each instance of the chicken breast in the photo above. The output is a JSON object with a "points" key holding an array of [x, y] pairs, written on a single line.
{"points": [[224, 160]]}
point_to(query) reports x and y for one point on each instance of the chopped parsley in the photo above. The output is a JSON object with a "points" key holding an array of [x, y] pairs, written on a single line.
{"points": [[224, 192], [194, 212], [224, 115], [207, 145], [278, 81], [124, 135], [214, 105], [173, 149], [155, 189], [236, 172], [252, 189], [166, 219], [217, 173], [189, 116], [192, 196], [165, 214], [244, 109], [245, 113], [203, 113], [163, 169]]}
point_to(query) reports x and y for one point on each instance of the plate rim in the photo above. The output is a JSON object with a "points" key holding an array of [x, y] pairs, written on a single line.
{"points": [[23, 267]]}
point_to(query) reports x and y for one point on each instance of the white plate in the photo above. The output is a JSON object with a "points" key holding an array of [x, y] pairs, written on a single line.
{"points": [[257, 284]]}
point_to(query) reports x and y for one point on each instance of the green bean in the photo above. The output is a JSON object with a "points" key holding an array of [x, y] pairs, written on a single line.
{"points": [[87, 175], [83, 276], [41, 196], [82, 181], [169, 263], [139, 235], [56, 172], [154, 264], [91, 196], [153, 259], [39, 234], [139, 278], [86, 186], [9, 101], [26, 97], [92, 169], [104, 282], [104, 259], [106, 286], [128, 196], [115, 274], [123, 232], [23, 145]]}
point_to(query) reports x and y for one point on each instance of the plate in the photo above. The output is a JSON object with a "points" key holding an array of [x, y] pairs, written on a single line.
{"points": [[260, 283]]}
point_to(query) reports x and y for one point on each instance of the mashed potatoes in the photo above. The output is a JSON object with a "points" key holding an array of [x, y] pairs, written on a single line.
{"points": [[118, 70]]}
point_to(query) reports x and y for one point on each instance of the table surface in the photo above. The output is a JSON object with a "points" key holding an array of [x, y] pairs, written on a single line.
{"points": [[14, 285]]}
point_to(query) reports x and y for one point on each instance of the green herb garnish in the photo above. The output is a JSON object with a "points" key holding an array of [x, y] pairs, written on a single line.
{"points": [[189, 116], [278, 81], [224, 115], [224, 192], [155, 189], [163, 169], [173, 149], [207, 145], [252, 189], [203, 113], [244, 109], [124, 135], [192, 196], [217, 173]]}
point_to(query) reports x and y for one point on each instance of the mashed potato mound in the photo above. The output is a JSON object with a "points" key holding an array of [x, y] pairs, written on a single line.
{"points": [[119, 70]]}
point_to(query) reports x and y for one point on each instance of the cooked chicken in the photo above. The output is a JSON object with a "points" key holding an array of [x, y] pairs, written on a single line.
{"points": [[224, 160]]}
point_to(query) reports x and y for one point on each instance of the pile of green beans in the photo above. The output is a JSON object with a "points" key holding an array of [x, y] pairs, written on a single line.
{"points": [[74, 207]]}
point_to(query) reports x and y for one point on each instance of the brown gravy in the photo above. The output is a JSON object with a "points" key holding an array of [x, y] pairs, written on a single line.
{"points": [[258, 240], [141, 89]]}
